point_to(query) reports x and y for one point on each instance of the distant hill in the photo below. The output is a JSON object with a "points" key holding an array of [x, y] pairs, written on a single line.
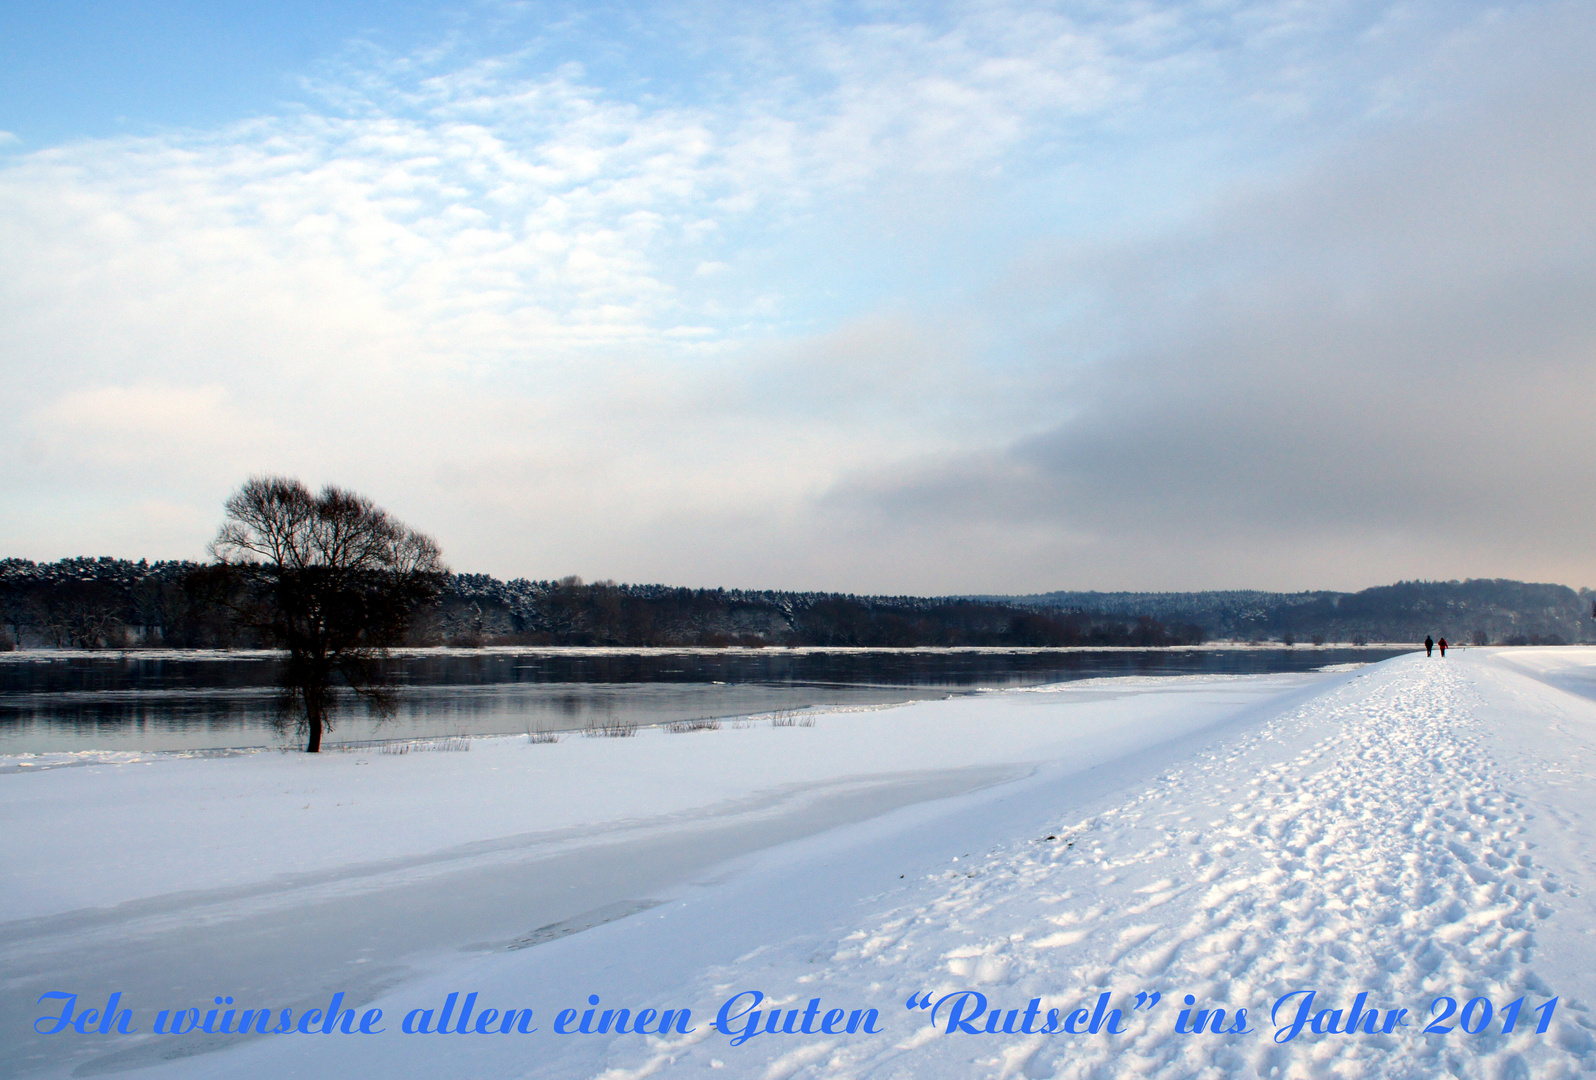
{"points": [[1477, 610]]}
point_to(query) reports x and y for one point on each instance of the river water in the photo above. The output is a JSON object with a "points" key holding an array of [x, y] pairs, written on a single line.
{"points": [[172, 700]]}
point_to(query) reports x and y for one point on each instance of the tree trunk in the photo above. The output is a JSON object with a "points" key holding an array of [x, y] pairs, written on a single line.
{"points": [[313, 674], [313, 715]]}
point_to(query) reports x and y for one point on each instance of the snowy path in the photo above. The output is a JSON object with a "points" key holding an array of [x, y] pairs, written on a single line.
{"points": [[1364, 842], [1390, 856], [1417, 830]]}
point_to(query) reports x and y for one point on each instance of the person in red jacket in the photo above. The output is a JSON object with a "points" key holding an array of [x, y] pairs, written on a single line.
{"points": [[1442, 645]]}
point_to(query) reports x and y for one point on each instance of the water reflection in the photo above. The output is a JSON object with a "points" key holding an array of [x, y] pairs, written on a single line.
{"points": [[169, 701]]}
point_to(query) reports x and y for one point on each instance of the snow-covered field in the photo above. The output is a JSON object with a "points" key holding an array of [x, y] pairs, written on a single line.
{"points": [[1410, 831]]}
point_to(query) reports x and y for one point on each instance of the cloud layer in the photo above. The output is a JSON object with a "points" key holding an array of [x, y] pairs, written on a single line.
{"points": [[988, 297], [1382, 367]]}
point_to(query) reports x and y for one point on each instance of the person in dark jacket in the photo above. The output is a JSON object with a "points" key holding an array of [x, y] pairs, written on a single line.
{"points": [[1429, 644]]}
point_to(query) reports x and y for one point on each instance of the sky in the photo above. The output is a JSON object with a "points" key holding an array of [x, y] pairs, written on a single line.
{"points": [[993, 297]]}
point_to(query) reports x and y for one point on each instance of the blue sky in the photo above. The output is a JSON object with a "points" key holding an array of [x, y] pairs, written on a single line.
{"points": [[91, 70], [997, 296]]}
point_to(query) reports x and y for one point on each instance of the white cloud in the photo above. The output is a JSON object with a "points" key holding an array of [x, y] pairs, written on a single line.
{"points": [[112, 425]]}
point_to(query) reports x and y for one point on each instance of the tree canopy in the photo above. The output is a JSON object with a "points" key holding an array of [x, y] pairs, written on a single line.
{"points": [[332, 579]]}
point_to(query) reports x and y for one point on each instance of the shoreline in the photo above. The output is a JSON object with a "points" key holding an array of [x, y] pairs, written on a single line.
{"points": [[715, 650]]}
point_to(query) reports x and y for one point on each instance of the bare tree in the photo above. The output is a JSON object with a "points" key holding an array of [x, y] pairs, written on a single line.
{"points": [[332, 579]]}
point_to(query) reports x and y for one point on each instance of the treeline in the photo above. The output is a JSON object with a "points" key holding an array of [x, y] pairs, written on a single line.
{"points": [[114, 603], [109, 603], [1476, 611]]}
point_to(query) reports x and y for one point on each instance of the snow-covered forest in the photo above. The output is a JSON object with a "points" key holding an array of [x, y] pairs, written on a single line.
{"points": [[91, 603]]}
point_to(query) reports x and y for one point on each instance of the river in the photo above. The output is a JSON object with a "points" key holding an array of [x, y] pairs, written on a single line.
{"points": [[175, 700]]}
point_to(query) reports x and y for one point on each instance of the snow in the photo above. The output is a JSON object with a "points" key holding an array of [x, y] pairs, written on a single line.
{"points": [[1407, 830]]}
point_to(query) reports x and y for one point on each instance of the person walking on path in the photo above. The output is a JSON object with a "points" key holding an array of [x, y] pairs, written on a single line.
{"points": [[1442, 645], [1429, 644]]}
